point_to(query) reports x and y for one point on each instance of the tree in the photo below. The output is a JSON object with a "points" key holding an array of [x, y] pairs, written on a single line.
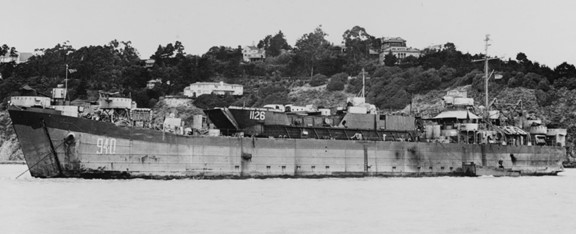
{"points": [[409, 61], [265, 43], [358, 43], [390, 59], [318, 80], [565, 70], [342, 77], [531, 80], [449, 46], [446, 73], [422, 81], [514, 82], [225, 60], [521, 57], [169, 54], [354, 85], [274, 45], [4, 49], [127, 52], [115, 66], [209, 101], [335, 85], [6, 69], [51, 63], [7, 50], [312, 48]]}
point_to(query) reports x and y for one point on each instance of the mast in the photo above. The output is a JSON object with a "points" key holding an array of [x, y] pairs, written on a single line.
{"points": [[486, 75], [363, 84]]}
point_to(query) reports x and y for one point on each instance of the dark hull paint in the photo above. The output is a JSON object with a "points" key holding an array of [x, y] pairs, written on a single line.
{"points": [[62, 146]]}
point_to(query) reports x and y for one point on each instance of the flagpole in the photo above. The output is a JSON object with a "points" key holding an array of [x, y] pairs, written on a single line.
{"points": [[66, 84]]}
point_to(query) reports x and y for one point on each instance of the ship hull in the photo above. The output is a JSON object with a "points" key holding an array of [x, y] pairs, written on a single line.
{"points": [[61, 146]]}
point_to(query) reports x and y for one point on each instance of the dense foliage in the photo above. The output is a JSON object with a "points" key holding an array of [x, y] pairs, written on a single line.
{"points": [[314, 61]]}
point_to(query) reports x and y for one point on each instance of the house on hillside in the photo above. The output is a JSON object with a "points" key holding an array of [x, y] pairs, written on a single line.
{"points": [[152, 83], [397, 46], [253, 54], [221, 88], [21, 57], [149, 63]]}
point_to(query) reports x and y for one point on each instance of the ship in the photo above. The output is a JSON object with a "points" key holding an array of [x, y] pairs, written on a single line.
{"points": [[115, 139]]}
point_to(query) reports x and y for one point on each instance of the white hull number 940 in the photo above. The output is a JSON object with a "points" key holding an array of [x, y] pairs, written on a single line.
{"points": [[106, 146]]}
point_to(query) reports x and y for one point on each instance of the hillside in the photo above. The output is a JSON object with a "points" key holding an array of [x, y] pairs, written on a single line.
{"points": [[9, 146], [311, 72], [318, 96]]}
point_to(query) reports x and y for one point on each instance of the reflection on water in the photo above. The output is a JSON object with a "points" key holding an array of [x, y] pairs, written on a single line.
{"points": [[356, 205]]}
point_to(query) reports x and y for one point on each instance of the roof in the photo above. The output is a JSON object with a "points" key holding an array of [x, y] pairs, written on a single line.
{"points": [[253, 48], [27, 88], [393, 39], [176, 97], [510, 130], [457, 114], [215, 83]]}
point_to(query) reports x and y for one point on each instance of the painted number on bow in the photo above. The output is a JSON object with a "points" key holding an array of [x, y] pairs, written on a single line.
{"points": [[257, 115], [106, 146]]}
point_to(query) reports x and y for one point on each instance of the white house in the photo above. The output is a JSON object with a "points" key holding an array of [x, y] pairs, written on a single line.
{"points": [[253, 54], [21, 57], [199, 88], [149, 63], [152, 83], [397, 46]]}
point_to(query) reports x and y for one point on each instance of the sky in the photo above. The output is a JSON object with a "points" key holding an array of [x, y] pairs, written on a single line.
{"points": [[543, 30]]}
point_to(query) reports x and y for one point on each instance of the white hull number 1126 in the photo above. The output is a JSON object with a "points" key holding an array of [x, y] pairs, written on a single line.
{"points": [[257, 115]]}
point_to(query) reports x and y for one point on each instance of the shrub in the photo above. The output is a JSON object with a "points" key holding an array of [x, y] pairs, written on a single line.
{"points": [[209, 101], [335, 85], [354, 85], [318, 80], [342, 77]]}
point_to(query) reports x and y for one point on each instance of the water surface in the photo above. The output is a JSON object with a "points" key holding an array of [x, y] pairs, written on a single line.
{"points": [[355, 205]]}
